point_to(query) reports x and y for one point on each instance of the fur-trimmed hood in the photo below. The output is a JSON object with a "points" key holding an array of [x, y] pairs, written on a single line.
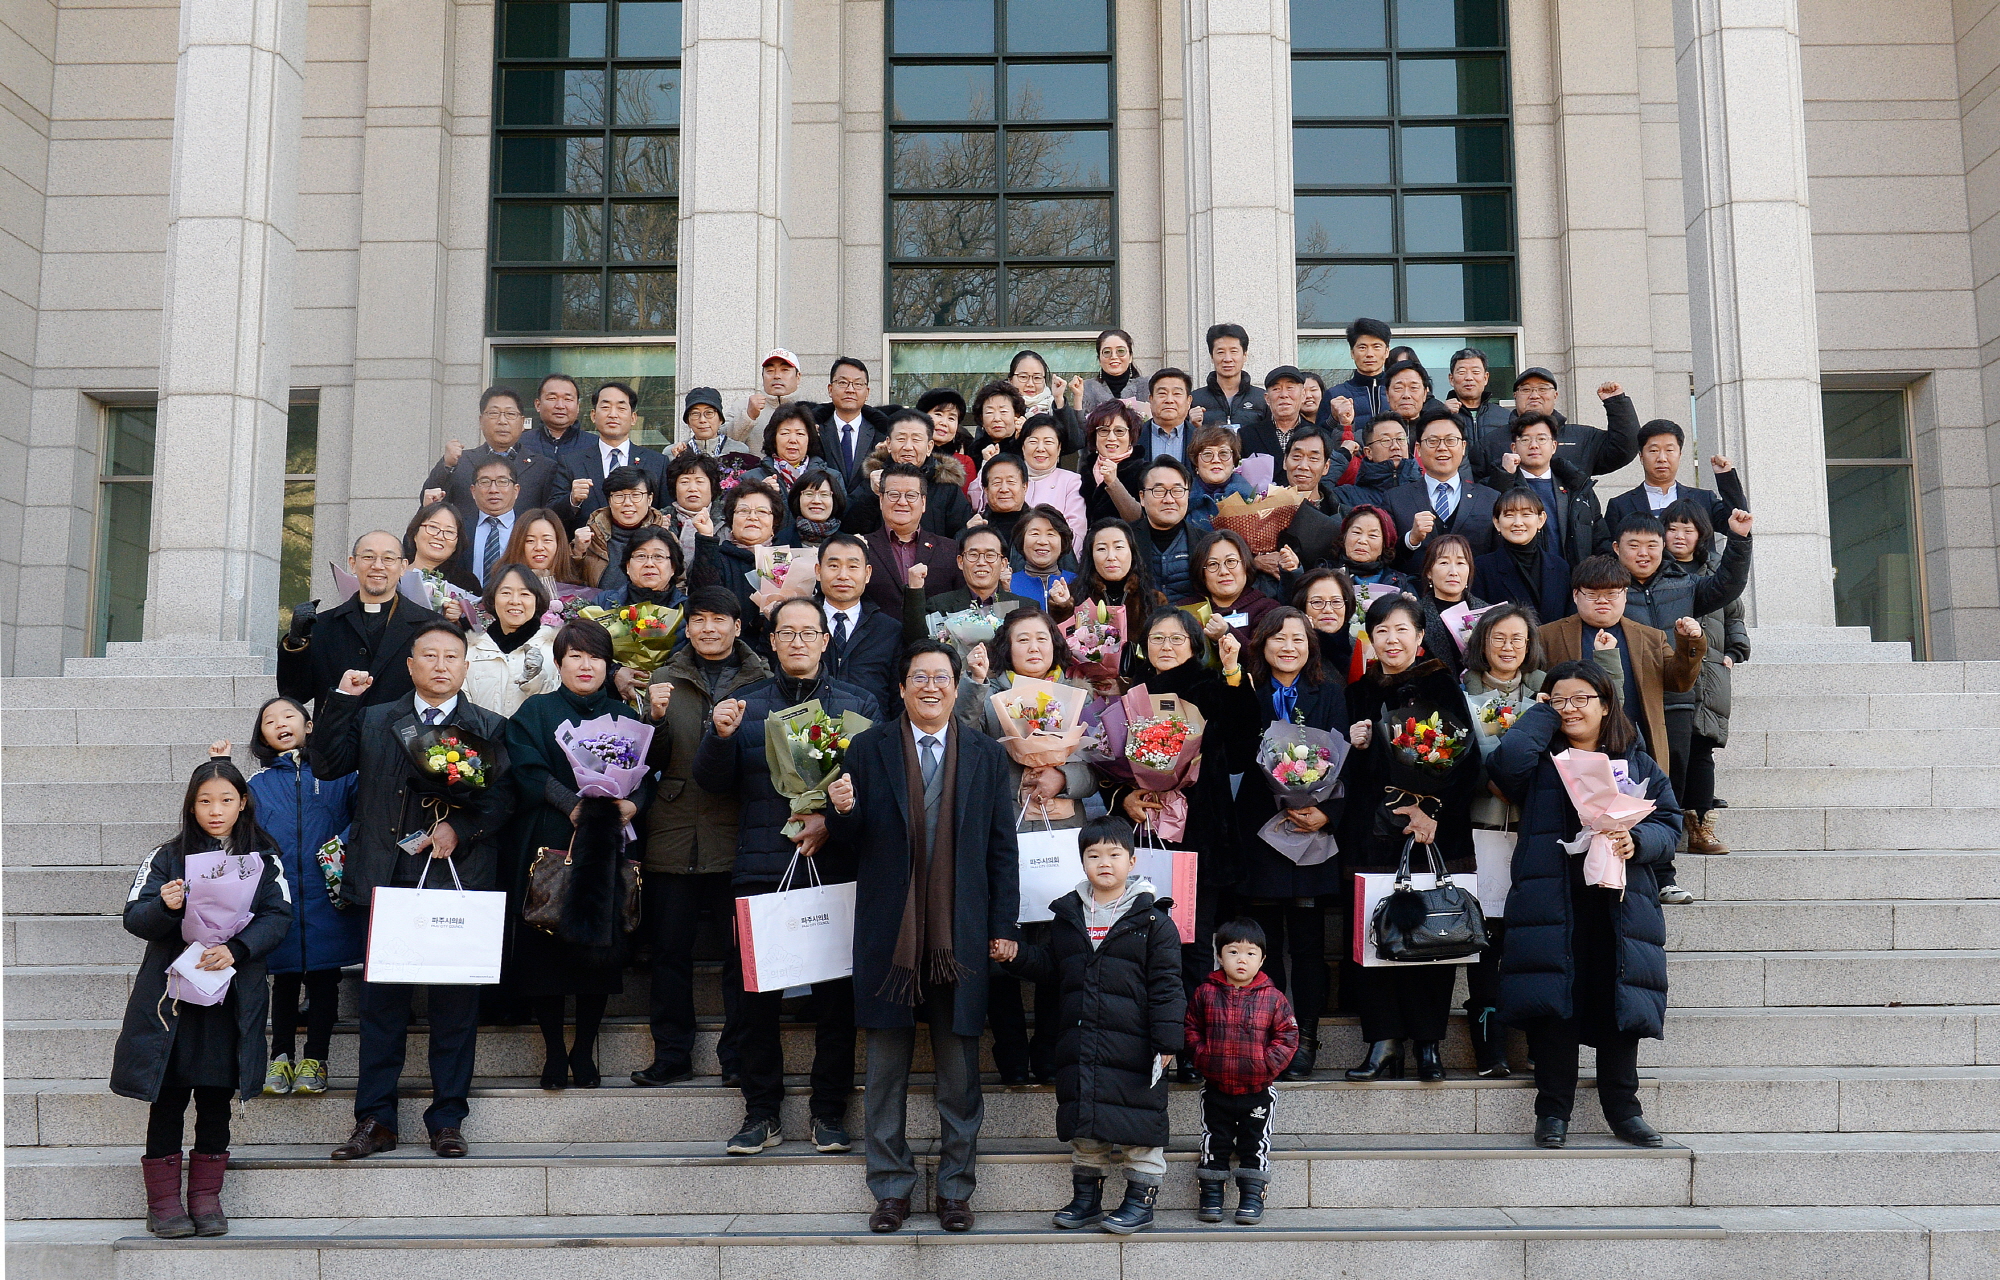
{"points": [[939, 468]]}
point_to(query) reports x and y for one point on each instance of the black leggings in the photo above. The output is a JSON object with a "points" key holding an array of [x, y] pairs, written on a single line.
{"points": [[1296, 927], [322, 987], [589, 1016], [168, 1118], [1696, 791]]}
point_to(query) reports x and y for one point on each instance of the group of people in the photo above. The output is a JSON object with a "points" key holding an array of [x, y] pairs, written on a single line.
{"points": [[1450, 555]]}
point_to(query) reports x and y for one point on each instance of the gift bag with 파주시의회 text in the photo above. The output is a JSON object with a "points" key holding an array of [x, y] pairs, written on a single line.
{"points": [[796, 937], [438, 937]]}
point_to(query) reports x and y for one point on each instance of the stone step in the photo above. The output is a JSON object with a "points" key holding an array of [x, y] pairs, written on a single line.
{"points": [[67, 890], [115, 693], [167, 666], [1865, 925], [1840, 789], [1824, 978], [81, 843], [153, 801], [1809, 681], [170, 726], [70, 765], [1748, 828], [1914, 1036], [1832, 747], [1793, 875], [1963, 712], [1765, 1169], [561, 1179]]}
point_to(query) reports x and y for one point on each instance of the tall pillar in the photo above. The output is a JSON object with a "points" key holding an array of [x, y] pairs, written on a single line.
{"points": [[1750, 287], [225, 357], [1239, 176], [736, 116]]}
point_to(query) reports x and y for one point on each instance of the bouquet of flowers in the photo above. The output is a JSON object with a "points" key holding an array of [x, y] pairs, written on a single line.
{"points": [[805, 749], [1095, 634], [1258, 471], [642, 635], [1428, 743], [967, 627], [1263, 520], [1497, 714], [1302, 767], [608, 756], [1606, 801], [782, 573], [1460, 620], [1426, 749], [1158, 749], [450, 761], [1043, 721], [442, 594]]}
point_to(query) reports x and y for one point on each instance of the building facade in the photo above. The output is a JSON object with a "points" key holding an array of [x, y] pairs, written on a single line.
{"points": [[261, 255]]}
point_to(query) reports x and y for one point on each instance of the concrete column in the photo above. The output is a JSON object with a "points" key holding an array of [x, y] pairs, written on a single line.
{"points": [[736, 125], [1750, 287], [1239, 177], [225, 357]]}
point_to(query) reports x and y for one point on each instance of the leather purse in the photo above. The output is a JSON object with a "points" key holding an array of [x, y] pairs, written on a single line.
{"points": [[1444, 923], [548, 890]]}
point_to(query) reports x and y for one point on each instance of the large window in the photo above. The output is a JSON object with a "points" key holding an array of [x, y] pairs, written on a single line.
{"points": [[1402, 160], [1871, 502], [648, 369], [586, 164], [124, 525], [1001, 210]]}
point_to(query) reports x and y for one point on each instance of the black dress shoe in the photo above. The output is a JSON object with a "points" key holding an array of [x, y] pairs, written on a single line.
{"points": [[369, 1137], [1551, 1132], [555, 1073], [1430, 1066], [890, 1214], [1012, 1078], [662, 1073], [449, 1143], [1637, 1132], [1384, 1062]]}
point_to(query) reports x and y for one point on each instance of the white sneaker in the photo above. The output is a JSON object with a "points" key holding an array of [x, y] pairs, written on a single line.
{"points": [[1673, 895]]}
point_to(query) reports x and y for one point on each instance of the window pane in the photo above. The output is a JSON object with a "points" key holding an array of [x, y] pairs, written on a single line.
{"points": [[1456, 224], [915, 367], [1059, 297], [1066, 158], [944, 297], [943, 93], [1338, 24], [1864, 424], [124, 531], [129, 442], [1460, 153], [1875, 583], [649, 369], [649, 164], [529, 98], [1450, 292], [541, 302], [943, 26], [1349, 88], [1447, 24], [644, 232], [295, 548], [649, 95], [1060, 229], [1453, 86], [552, 30], [1057, 26], [649, 29], [1330, 296], [1340, 157], [302, 440], [1058, 91], [551, 164], [942, 161], [1343, 224], [642, 301], [549, 233], [943, 228]]}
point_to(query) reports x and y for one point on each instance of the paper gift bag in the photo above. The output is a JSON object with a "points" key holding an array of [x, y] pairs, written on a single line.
{"points": [[438, 937], [1369, 890], [796, 937], [1172, 872], [1495, 850], [1050, 867]]}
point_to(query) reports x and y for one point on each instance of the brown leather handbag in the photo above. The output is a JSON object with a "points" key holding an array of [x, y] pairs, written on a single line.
{"points": [[548, 889]]}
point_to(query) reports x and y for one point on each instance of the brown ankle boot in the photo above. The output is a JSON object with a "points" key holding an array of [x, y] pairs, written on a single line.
{"points": [[1702, 838], [165, 1217]]}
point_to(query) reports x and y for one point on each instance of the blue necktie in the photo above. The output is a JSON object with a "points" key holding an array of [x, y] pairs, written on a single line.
{"points": [[432, 715], [1442, 503], [491, 552]]}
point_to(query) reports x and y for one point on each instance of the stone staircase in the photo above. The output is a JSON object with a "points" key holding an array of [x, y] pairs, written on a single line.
{"points": [[1830, 1081]]}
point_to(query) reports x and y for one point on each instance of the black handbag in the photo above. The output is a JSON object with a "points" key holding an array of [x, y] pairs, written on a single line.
{"points": [[1444, 923]]}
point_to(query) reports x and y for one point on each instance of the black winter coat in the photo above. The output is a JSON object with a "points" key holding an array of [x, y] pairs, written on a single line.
{"points": [[146, 1040], [1122, 1006], [1557, 935], [1496, 577], [1437, 635], [735, 766], [1370, 838], [1263, 872], [1596, 450], [336, 646]]}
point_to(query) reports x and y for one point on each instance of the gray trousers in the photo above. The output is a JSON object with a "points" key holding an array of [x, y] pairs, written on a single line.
{"points": [[892, 1171]]}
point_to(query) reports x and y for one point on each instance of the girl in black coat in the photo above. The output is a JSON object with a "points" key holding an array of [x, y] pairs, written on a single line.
{"points": [[1410, 1002], [1584, 964], [1286, 682], [170, 1050]]}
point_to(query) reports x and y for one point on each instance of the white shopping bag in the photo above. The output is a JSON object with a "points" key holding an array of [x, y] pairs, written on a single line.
{"points": [[1495, 850], [796, 937], [1050, 867], [1369, 890], [438, 937]]}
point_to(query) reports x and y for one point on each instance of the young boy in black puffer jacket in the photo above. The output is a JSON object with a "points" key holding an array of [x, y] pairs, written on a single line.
{"points": [[1115, 956]]}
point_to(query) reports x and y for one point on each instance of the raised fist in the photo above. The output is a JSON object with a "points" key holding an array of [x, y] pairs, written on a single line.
{"points": [[579, 490], [1689, 627], [978, 665], [1605, 640], [728, 714], [1721, 465], [841, 794], [453, 451], [1230, 649], [1343, 409], [919, 574], [1740, 522], [1422, 526], [660, 694], [432, 495], [355, 683], [757, 403], [1607, 390]]}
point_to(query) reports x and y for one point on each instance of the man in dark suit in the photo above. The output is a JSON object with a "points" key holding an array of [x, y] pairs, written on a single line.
{"points": [[936, 894], [1444, 499], [901, 543], [865, 642], [848, 429], [1661, 444], [982, 567], [613, 412], [391, 802], [1314, 534], [541, 475], [369, 631]]}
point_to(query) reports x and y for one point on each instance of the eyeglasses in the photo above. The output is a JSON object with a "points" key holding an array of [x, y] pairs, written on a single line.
{"points": [[1214, 455], [437, 530], [849, 384], [1169, 640], [1233, 562], [495, 482], [902, 498], [982, 557], [1330, 604], [1574, 702], [797, 635], [1166, 491], [923, 679], [370, 557], [1603, 597], [1441, 442], [630, 495], [502, 415], [646, 559]]}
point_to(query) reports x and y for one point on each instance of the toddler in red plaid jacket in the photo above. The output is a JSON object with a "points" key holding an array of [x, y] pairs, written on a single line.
{"points": [[1241, 1032]]}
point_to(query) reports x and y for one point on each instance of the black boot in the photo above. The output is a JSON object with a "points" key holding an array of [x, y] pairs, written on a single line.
{"points": [[1430, 1066], [1087, 1209], [1301, 1067], [1136, 1214], [1384, 1062], [1210, 1208], [1489, 1044], [1249, 1202]]}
